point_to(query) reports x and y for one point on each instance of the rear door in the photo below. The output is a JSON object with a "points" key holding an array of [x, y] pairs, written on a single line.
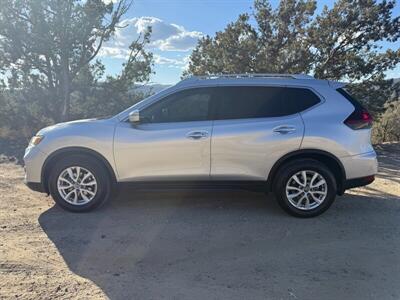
{"points": [[254, 126]]}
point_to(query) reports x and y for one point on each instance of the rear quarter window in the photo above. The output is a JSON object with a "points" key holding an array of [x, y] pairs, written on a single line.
{"points": [[357, 105], [298, 99]]}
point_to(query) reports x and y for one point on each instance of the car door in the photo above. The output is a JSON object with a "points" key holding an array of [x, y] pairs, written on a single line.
{"points": [[255, 126], [171, 142]]}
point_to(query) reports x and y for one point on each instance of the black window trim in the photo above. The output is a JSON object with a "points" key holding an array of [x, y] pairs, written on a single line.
{"points": [[212, 108]]}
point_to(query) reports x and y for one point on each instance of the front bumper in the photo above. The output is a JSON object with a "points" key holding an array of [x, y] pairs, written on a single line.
{"points": [[36, 186], [34, 160]]}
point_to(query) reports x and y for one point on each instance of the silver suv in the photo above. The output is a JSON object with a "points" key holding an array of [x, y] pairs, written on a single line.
{"points": [[306, 140]]}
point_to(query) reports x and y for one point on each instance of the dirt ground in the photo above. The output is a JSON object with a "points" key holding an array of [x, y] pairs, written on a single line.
{"points": [[185, 244]]}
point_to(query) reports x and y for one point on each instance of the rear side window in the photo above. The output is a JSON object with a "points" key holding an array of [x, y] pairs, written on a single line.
{"points": [[242, 102]]}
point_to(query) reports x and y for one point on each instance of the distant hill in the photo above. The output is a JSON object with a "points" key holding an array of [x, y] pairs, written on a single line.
{"points": [[150, 88]]}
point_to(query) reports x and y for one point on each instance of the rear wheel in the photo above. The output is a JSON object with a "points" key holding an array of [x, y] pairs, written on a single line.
{"points": [[305, 188], [79, 183]]}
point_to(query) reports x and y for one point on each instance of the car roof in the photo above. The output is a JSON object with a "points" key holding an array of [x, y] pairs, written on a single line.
{"points": [[258, 79]]}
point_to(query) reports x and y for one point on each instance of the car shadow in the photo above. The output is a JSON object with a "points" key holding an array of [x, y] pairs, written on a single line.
{"points": [[200, 244]]}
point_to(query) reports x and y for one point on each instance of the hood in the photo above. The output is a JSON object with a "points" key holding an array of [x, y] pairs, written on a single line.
{"points": [[75, 123]]}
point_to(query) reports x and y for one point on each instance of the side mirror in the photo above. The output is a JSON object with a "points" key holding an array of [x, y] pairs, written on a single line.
{"points": [[134, 117]]}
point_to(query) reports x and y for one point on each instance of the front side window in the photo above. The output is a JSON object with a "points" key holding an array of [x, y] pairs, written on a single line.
{"points": [[185, 106], [242, 102]]}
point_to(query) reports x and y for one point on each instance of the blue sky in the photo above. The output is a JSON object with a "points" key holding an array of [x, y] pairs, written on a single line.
{"points": [[177, 25]]}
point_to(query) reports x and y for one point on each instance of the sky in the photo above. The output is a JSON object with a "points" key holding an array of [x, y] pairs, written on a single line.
{"points": [[176, 27]]}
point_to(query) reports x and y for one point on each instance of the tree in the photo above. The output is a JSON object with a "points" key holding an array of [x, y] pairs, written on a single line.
{"points": [[342, 43], [283, 44], [231, 51], [375, 94], [346, 40], [115, 93], [387, 128], [46, 44], [49, 73]]}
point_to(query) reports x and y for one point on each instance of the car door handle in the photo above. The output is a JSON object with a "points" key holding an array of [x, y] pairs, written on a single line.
{"points": [[196, 135], [284, 129]]}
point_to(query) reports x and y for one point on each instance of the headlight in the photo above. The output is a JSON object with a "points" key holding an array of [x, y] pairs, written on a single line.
{"points": [[35, 140]]}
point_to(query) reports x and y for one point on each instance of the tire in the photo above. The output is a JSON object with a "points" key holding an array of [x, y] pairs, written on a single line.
{"points": [[311, 201], [93, 184]]}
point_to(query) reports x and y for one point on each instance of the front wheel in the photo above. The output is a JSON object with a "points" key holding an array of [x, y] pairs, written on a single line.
{"points": [[305, 188], [79, 183]]}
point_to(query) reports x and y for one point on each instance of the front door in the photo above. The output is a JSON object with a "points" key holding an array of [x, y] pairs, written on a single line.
{"points": [[172, 141]]}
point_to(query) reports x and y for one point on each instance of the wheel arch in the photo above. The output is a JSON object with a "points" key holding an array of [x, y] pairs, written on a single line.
{"points": [[56, 155], [331, 161]]}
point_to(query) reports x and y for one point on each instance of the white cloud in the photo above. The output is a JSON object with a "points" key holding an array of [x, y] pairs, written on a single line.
{"points": [[180, 62], [114, 52], [160, 29], [164, 36], [182, 42], [110, 1]]}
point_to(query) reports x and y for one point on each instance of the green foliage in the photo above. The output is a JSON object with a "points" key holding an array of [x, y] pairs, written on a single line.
{"points": [[387, 127], [95, 98], [231, 51], [48, 45], [48, 67], [283, 44], [346, 39], [374, 94], [342, 43]]}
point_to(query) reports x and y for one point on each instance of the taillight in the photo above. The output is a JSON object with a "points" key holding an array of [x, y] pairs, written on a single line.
{"points": [[359, 119]]}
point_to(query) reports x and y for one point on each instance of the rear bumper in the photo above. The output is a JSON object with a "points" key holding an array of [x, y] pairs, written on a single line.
{"points": [[360, 166], [360, 170], [357, 182]]}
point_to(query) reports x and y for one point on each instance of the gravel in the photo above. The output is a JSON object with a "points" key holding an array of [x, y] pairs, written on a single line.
{"points": [[197, 244]]}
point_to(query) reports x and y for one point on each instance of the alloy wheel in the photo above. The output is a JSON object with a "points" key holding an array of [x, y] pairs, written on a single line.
{"points": [[77, 185], [306, 189]]}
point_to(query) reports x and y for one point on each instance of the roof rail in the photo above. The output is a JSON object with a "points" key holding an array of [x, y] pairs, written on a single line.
{"points": [[249, 75]]}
